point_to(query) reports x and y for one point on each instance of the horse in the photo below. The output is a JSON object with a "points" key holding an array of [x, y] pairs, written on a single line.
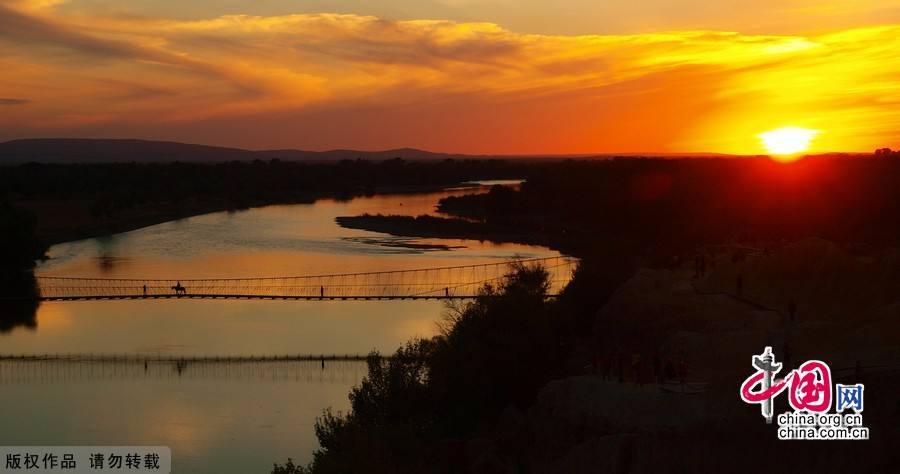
{"points": [[179, 290]]}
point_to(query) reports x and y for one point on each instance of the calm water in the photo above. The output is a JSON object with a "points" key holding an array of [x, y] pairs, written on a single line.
{"points": [[221, 423]]}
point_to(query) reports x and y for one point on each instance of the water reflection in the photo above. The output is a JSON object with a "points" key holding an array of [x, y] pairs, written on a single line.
{"points": [[90, 368], [299, 239], [237, 327], [274, 240], [215, 420], [213, 423]]}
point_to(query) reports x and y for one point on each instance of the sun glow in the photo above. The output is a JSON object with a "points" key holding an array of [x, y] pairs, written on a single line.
{"points": [[786, 142]]}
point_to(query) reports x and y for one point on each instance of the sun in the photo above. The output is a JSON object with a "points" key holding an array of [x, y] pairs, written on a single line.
{"points": [[786, 142]]}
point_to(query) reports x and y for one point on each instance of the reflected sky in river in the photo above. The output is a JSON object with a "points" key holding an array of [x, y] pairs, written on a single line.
{"points": [[223, 327], [213, 424], [224, 424], [287, 240]]}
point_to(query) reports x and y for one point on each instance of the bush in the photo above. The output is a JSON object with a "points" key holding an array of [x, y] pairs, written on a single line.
{"points": [[495, 351]]}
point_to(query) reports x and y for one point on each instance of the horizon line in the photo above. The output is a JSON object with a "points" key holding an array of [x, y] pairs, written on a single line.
{"points": [[470, 154]]}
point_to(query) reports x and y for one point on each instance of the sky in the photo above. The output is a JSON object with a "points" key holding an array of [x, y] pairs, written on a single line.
{"points": [[464, 76]]}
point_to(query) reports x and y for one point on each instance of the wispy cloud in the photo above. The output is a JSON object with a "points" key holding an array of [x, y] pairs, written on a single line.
{"points": [[664, 91], [26, 29]]}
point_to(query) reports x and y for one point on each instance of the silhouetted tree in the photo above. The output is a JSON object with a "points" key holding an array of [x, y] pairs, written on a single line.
{"points": [[19, 248], [499, 350]]}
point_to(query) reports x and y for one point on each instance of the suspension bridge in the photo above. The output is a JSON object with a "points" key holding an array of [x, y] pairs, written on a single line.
{"points": [[453, 282]]}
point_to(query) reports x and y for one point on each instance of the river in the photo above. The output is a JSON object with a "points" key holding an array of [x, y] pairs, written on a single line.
{"points": [[240, 417]]}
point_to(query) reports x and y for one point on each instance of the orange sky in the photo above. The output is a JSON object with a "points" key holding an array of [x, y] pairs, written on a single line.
{"points": [[471, 76]]}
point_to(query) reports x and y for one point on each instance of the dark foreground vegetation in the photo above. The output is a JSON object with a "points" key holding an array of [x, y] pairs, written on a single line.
{"points": [[673, 205], [413, 411], [18, 251], [664, 208], [489, 395], [469, 400]]}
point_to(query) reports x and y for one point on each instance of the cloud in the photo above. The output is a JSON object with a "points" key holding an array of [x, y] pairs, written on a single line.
{"points": [[31, 31], [663, 91], [27, 29], [9, 101]]}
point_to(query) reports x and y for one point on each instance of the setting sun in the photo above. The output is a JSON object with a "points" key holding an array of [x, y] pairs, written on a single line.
{"points": [[787, 141]]}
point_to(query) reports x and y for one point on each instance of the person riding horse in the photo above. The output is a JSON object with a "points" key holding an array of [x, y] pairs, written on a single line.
{"points": [[178, 289]]}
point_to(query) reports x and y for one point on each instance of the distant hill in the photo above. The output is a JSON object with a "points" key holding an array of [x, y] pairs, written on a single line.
{"points": [[87, 150], [82, 150], [334, 155], [78, 150]]}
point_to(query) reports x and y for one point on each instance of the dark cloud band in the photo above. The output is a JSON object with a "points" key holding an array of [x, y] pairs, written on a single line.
{"points": [[9, 101]]}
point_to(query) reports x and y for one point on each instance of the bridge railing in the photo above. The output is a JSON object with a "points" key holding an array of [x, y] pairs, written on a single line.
{"points": [[442, 282]]}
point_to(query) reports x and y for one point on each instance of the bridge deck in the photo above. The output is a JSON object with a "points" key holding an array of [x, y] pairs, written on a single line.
{"points": [[253, 297]]}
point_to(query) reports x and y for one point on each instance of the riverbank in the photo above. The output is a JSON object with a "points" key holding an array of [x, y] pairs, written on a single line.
{"points": [[77, 201], [619, 409], [61, 221], [431, 227], [436, 227], [67, 220]]}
